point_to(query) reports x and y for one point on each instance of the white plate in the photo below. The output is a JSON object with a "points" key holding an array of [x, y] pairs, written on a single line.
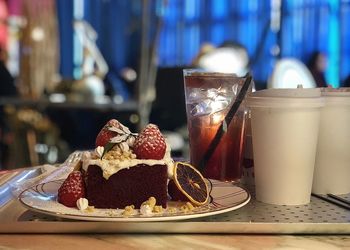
{"points": [[224, 197]]}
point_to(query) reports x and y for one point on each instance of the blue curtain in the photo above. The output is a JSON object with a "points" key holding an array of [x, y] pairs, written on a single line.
{"points": [[318, 25], [118, 27], [189, 24], [65, 19], [307, 25]]}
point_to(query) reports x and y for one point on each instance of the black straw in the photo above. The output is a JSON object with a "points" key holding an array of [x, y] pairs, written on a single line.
{"points": [[332, 201], [225, 123], [339, 198]]}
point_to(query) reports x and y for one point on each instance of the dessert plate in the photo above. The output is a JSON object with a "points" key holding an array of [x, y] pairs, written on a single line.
{"points": [[224, 197]]}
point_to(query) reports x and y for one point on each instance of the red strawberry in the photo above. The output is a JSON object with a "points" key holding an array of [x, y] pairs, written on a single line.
{"points": [[105, 134], [103, 137], [72, 189], [150, 143]]}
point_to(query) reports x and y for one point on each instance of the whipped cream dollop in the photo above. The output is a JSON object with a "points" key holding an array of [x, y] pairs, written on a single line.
{"points": [[82, 204], [99, 151]]}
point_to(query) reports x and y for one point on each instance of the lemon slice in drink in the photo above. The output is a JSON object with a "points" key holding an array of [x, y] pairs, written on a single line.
{"points": [[191, 183]]}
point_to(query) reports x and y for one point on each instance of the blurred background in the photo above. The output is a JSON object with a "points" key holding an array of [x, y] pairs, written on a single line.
{"points": [[68, 66]]}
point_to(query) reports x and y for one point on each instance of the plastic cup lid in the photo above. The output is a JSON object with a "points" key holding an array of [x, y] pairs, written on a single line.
{"points": [[289, 93], [286, 98], [335, 92], [340, 96]]}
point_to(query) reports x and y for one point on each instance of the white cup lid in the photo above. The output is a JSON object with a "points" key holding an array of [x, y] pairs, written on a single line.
{"points": [[335, 92], [340, 96], [289, 93], [286, 98]]}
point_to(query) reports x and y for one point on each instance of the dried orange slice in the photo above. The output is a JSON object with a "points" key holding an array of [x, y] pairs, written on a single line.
{"points": [[191, 183]]}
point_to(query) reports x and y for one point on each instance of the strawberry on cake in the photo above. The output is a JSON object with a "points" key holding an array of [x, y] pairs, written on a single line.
{"points": [[125, 169]]}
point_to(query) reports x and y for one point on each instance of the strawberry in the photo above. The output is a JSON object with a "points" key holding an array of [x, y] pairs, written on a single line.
{"points": [[150, 143], [104, 137], [72, 189], [107, 132]]}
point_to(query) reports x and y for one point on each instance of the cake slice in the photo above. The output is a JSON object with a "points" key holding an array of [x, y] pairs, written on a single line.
{"points": [[128, 169]]}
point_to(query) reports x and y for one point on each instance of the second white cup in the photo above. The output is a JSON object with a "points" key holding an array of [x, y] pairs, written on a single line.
{"points": [[332, 166]]}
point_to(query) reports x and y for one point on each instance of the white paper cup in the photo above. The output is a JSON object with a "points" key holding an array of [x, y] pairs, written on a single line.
{"points": [[332, 166], [285, 131]]}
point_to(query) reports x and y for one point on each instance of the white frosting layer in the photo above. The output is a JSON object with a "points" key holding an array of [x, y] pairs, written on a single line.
{"points": [[110, 167]]}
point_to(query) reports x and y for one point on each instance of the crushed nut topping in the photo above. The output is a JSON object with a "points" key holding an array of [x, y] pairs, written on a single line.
{"points": [[117, 153], [90, 209], [157, 209], [172, 210], [129, 210], [188, 207], [150, 202]]}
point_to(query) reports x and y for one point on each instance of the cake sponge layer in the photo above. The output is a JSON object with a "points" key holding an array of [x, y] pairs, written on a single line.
{"points": [[127, 187]]}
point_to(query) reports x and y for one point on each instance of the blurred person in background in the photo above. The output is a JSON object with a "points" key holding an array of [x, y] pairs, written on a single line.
{"points": [[317, 65], [7, 89], [7, 84], [346, 82]]}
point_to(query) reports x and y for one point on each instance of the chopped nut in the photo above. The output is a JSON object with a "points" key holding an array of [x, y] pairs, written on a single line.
{"points": [[157, 209], [150, 202], [127, 213], [172, 210], [188, 207], [129, 210], [119, 152], [184, 208], [112, 212], [90, 209]]}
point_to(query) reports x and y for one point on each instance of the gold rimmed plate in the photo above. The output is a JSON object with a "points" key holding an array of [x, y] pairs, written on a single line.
{"points": [[224, 197]]}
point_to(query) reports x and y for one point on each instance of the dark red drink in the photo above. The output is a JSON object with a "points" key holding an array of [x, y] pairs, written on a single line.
{"points": [[208, 99]]}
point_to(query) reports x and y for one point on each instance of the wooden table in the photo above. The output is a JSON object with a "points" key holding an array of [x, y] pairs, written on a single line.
{"points": [[173, 241]]}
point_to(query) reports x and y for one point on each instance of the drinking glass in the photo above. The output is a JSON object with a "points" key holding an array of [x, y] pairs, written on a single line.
{"points": [[216, 143]]}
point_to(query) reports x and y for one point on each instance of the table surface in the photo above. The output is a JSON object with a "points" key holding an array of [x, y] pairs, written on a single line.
{"points": [[173, 241], [167, 241]]}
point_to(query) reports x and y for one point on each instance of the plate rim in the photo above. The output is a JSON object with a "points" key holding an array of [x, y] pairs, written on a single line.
{"points": [[135, 219]]}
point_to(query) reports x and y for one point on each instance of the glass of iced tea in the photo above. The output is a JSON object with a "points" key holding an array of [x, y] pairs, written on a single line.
{"points": [[216, 145]]}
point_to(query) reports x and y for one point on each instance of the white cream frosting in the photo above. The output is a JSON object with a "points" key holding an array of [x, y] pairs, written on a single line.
{"points": [[82, 204], [110, 167]]}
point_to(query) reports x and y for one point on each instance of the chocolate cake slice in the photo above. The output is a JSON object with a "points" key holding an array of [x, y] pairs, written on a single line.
{"points": [[129, 186]]}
